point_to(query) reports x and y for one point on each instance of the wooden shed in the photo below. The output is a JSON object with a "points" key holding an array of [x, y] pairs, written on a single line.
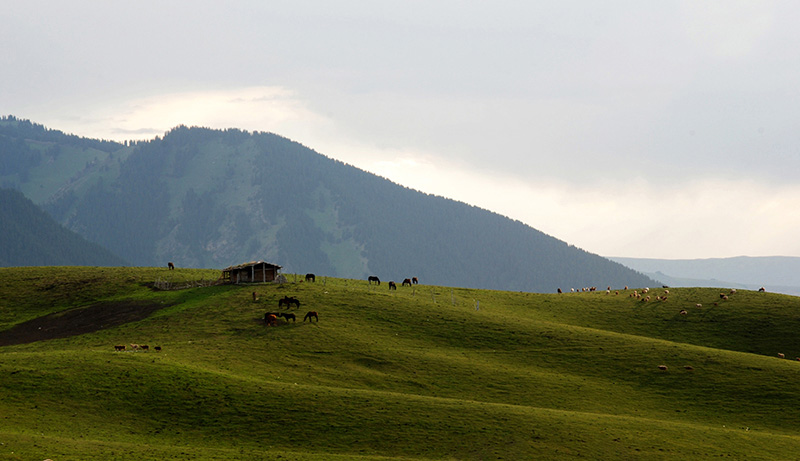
{"points": [[252, 272]]}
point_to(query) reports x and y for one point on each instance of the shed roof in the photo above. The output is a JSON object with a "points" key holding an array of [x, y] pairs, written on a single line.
{"points": [[250, 264]]}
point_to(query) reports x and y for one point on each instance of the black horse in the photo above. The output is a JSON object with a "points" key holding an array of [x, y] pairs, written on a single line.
{"points": [[392, 286], [287, 315], [288, 301], [311, 315], [373, 278], [311, 278], [414, 280]]}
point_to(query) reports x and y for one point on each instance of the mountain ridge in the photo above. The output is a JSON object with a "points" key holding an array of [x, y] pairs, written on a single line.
{"points": [[30, 237], [212, 198], [775, 273]]}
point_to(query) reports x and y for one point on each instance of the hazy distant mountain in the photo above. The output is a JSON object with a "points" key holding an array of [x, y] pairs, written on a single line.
{"points": [[211, 198], [30, 237], [779, 274]]}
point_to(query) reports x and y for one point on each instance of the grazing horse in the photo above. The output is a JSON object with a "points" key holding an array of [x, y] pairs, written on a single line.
{"points": [[288, 301], [170, 266], [271, 319], [310, 315], [311, 278], [157, 348], [119, 348], [287, 315], [414, 280], [373, 278], [559, 291], [407, 282], [392, 286]]}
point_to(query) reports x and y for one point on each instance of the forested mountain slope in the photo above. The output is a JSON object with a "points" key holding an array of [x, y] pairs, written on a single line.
{"points": [[30, 237], [211, 198]]}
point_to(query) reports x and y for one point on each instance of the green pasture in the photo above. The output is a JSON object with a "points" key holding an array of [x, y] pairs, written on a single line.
{"points": [[423, 372]]}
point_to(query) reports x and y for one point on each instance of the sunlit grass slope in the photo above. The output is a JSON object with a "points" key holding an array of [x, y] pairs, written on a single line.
{"points": [[419, 373]]}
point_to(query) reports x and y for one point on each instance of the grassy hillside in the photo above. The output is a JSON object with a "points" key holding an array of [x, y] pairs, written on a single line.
{"points": [[421, 373]]}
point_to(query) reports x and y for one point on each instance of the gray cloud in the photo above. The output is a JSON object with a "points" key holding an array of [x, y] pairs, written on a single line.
{"points": [[575, 93]]}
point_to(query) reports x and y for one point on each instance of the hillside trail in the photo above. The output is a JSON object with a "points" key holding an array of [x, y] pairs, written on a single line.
{"points": [[78, 321]]}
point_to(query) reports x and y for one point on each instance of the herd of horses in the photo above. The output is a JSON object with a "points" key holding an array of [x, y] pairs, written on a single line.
{"points": [[271, 318], [392, 285]]}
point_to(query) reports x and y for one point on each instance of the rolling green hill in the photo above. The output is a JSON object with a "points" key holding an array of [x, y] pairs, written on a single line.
{"points": [[423, 372], [212, 198]]}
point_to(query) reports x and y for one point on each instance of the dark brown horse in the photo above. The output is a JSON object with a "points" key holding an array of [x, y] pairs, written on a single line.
{"points": [[288, 301], [414, 280], [170, 266], [392, 286], [311, 315], [373, 278], [311, 278], [287, 315], [407, 282], [271, 319]]}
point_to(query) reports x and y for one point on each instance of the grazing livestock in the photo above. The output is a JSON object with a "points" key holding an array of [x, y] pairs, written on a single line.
{"points": [[414, 280], [120, 347], [170, 266], [144, 347], [723, 297], [781, 355], [407, 282], [255, 297], [271, 319], [662, 367], [698, 305], [373, 278], [287, 315], [310, 315], [311, 278], [762, 289], [157, 348], [392, 286], [288, 302], [135, 347], [559, 291], [683, 312], [688, 367]]}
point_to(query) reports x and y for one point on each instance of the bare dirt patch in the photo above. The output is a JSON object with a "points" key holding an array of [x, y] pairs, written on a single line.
{"points": [[78, 321]]}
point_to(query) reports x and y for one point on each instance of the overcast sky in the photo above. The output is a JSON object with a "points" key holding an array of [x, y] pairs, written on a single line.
{"points": [[643, 129]]}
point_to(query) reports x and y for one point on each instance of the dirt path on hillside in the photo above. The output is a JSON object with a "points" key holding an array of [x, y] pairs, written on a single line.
{"points": [[78, 321]]}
